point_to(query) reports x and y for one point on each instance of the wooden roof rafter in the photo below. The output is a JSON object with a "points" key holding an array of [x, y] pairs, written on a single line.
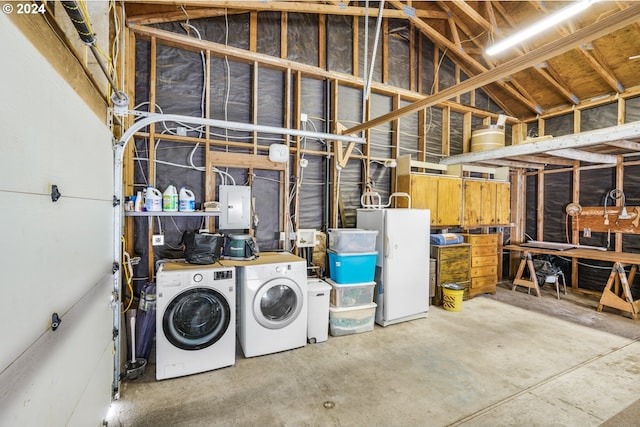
{"points": [[596, 61], [463, 58], [605, 26], [541, 69], [517, 92]]}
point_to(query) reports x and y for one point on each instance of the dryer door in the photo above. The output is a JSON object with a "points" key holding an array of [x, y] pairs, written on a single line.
{"points": [[196, 318], [278, 303]]}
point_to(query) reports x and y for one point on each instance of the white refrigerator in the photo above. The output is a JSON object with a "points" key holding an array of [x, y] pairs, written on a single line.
{"points": [[402, 264]]}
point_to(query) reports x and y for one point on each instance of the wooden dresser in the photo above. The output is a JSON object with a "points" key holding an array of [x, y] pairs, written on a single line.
{"points": [[452, 266], [484, 263]]}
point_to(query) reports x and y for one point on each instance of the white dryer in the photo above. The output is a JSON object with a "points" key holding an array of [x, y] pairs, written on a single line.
{"points": [[195, 319], [272, 304]]}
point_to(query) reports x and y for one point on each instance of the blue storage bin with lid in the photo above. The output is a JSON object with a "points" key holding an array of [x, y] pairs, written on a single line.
{"points": [[353, 267]]}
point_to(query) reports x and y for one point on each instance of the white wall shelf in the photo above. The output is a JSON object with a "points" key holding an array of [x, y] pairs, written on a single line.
{"points": [[164, 213]]}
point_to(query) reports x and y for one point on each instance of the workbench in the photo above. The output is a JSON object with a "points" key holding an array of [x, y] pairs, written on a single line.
{"points": [[608, 298]]}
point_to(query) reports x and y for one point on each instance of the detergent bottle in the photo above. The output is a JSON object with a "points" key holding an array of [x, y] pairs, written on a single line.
{"points": [[187, 200], [170, 199], [152, 200]]}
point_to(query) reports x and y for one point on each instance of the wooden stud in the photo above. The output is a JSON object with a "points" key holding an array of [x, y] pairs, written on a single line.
{"points": [[209, 176], [333, 203], [283, 35], [322, 42], [151, 162], [355, 46], [412, 58], [446, 131], [384, 41], [255, 105], [253, 31], [466, 133], [621, 110], [619, 185], [540, 209], [422, 136]]}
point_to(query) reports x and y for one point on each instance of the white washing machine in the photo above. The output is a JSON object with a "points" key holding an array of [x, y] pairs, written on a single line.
{"points": [[195, 319], [272, 304]]}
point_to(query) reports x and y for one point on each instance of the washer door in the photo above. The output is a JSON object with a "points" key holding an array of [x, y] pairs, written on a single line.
{"points": [[196, 319], [277, 303]]}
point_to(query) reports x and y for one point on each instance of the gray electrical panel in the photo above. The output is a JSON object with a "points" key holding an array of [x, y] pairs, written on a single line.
{"points": [[235, 207]]}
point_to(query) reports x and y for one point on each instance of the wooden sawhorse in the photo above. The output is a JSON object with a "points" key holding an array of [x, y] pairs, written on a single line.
{"points": [[611, 299], [532, 283]]}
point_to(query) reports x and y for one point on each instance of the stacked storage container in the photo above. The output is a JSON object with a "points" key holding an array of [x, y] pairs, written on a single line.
{"points": [[352, 265]]}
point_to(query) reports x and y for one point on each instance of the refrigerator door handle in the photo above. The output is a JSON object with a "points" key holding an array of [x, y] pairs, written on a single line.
{"points": [[388, 247]]}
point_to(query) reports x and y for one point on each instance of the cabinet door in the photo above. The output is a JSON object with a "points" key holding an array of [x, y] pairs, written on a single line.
{"points": [[449, 201], [503, 203], [472, 203], [488, 211], [424, 193]]}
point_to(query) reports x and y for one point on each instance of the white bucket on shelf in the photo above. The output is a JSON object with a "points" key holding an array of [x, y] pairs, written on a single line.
{"points": [[170, 199], [187, 200], [152, 200]]}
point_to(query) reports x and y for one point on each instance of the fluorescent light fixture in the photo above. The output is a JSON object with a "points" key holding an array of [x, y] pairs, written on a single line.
{"points": [[540, 26]]}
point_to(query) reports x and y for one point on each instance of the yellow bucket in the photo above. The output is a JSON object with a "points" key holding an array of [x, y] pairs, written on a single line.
{"points": [[452, 295]]}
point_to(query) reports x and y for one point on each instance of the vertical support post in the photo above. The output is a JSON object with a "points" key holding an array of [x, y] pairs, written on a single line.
{"points": [[540, 208]]}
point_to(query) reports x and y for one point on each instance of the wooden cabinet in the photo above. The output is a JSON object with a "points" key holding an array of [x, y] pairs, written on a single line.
{"points": [[486, 202], [452, 266], [484, 263], [442, 195]]}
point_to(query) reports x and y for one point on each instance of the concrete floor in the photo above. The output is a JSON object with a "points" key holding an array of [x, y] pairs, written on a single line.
{"points": [[501, 361]]}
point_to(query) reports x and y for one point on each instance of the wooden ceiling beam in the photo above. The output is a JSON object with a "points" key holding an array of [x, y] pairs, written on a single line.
{"points": [[554, 80], [584, 156], [627, 145], [473, 14], [302, 7], [605, 26], [179, 15], [603, 71], [557, 161], [514, 164]]}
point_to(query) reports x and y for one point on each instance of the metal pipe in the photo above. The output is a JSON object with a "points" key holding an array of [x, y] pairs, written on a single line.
{"points": [[375, 48], [235, 126]]}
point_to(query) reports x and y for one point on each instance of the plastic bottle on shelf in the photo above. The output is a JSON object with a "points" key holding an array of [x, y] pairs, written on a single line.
{"points": [[170, 199], [137, 204], [152, 200], [187, 200]]}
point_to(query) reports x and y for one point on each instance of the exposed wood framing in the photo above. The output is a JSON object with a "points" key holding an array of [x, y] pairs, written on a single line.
{"points": [[322, 42], [585, 156], [603, 27], [253, 31], [212, 8], [540, 209], [241, 55]]}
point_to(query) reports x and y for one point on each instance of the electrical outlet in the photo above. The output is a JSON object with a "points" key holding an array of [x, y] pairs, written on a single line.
{"points": [[304, 118], [157, 240]]}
